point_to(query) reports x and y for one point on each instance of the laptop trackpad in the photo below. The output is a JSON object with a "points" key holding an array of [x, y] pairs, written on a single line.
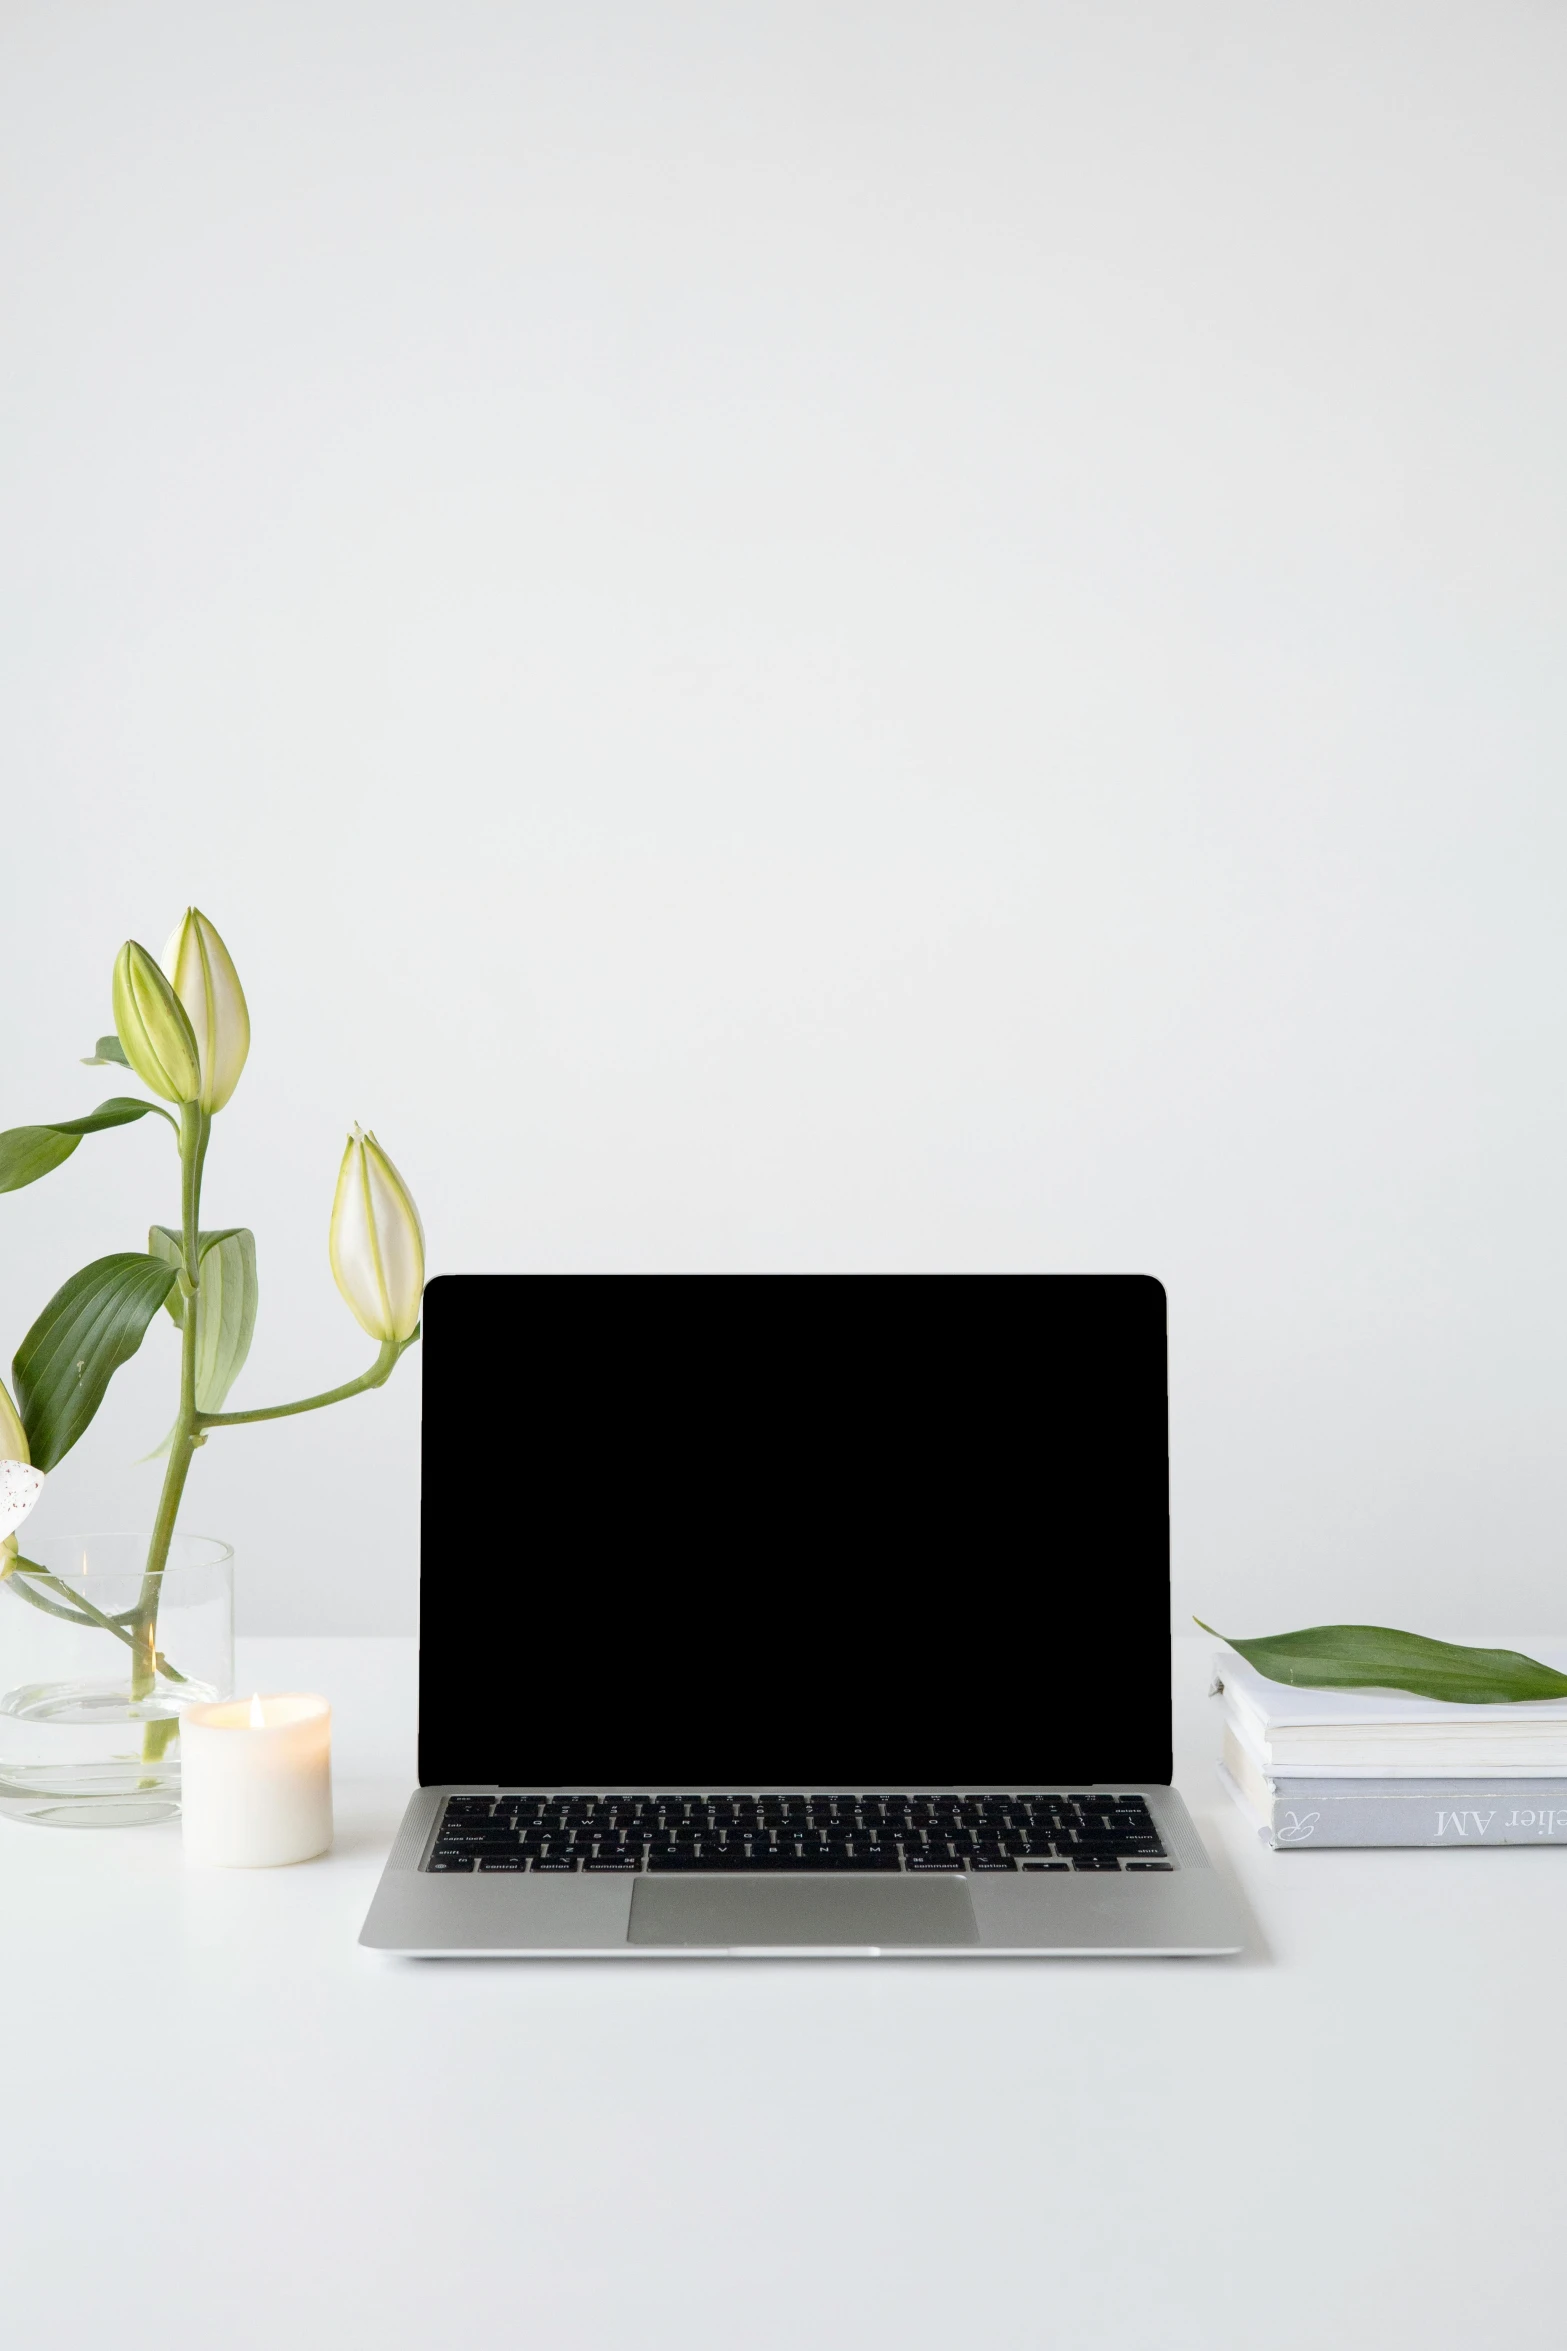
{"points": [[776, 1914]]}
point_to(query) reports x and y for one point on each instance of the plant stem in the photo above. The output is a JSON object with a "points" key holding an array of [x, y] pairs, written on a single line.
{"points": [[378, 1374], [83, 1612], [191, 1426], [195, 1127]]}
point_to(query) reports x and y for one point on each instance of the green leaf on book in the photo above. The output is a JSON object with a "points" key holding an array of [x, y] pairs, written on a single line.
{"points": [[92, 1324], [26, 1153], [1375, 1657]]}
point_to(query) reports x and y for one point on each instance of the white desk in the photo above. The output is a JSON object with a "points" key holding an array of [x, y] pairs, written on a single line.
{"points": [[226, 2124]]}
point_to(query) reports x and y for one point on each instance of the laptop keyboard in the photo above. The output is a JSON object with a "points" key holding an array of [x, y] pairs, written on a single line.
{"points": [[777, 1835]]}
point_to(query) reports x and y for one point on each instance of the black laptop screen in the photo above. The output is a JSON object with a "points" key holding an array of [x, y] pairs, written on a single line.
{"points": [[775, 1532]]}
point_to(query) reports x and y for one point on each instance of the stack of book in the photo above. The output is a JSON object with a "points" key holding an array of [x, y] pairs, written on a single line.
{"points": [[1378, 1767]]}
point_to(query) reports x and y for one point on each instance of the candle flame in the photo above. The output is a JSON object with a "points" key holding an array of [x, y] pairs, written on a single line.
{"points": [[258, 1720]]}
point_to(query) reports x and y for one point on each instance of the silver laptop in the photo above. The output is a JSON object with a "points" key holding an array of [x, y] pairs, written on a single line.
{"points": [[805, 1615]]}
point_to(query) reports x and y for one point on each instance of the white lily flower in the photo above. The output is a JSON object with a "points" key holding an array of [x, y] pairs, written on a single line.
{"points": [[376, 1242], [203, 977], [20, 1483], [20, 1487]]}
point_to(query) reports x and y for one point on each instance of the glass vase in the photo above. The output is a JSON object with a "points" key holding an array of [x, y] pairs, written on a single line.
{"points": [[97, 1662]]}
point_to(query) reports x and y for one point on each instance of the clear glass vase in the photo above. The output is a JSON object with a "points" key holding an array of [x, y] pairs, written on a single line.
{"points": [[97, 1662]]}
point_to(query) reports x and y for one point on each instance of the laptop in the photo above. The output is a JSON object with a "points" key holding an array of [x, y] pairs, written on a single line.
{"points": [[796, 1614]]}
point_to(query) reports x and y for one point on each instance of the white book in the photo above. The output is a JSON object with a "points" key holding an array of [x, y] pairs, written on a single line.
{"points": [[1456, 1810], [1390, 1734]]}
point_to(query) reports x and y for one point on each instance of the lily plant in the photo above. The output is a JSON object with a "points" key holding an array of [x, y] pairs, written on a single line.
{"points": [[183, 1028]]}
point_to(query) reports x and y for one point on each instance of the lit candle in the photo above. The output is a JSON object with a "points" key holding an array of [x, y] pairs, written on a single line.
{"points": [[256, 1781]]}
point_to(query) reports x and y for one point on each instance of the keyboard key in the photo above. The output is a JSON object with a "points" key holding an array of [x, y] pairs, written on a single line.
{"points": [[789, 1863], [1095, 1861], [511, 1861], [450, 1861], [1051, 1865], [927, 1861], [1150, 1865], [615, 1861], [554, 1864], [881, 1858]]}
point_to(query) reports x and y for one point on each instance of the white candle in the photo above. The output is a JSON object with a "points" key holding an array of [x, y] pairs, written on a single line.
{"points": [[256, 1781]]}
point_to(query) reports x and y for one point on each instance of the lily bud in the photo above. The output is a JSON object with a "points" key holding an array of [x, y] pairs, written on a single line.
{"points": [[206, 983], [13, 1437], [376, 1242], [154, 1027]]}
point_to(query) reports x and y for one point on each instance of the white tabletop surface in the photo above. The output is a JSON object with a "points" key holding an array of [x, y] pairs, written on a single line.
{"points": [[227, 2124]]}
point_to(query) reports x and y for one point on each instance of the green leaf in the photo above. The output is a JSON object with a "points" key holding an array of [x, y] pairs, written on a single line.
{"points": [[92, 1324], [1375, 1657], [26, 1153], [107, 1049], [225, 1305], [167, 1242]]}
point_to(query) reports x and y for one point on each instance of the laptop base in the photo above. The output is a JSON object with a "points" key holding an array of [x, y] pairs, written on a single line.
{"points": [[1186, 1913]]}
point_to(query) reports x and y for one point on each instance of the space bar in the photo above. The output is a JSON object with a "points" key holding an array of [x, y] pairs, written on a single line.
{"points": [[773, 1864]]}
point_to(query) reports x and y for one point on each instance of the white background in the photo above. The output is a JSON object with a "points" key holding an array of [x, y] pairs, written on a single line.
{"points": [[850, 635]]}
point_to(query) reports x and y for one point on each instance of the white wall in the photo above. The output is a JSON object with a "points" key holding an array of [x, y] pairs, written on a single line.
{"points": [[826, 635]]}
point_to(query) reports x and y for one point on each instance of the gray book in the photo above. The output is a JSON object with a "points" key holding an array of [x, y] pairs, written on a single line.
{"points": [[1294, 1813]]}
